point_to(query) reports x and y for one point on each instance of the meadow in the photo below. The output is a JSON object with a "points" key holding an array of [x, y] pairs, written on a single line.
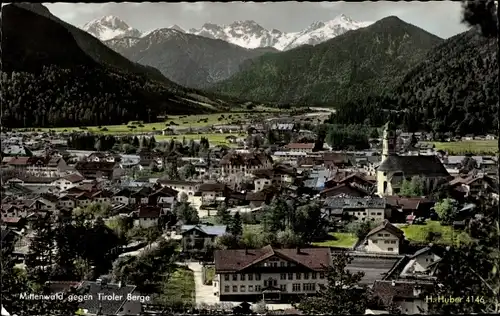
{"points": [[468, 146]]}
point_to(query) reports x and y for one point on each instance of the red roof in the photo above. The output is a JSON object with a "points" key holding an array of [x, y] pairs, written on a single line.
{"points": [[233, 260], [300, 146]]}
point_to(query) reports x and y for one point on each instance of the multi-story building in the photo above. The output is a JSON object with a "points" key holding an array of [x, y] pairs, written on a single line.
{"points": [[270, 274], [244, 163], [385, 238]]}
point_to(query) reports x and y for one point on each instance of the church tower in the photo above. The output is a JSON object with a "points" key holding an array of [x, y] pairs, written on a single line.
{"points": [[388, 149], [388, 141]]}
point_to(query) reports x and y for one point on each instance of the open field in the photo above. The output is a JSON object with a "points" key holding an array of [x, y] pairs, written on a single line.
{"points": [[418, 233], [342, 240], [468, 146], [213, 138], [180, 122]]}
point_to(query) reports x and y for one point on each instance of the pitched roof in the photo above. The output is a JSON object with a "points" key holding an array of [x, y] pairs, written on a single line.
{"points": [[407, 203], [387, 290], [73, 178], [217, 230], [355, 202], [300, 146], [387, 226], [414, 165], [108, 307], [149, 212], [209, 187], [233, 260]]}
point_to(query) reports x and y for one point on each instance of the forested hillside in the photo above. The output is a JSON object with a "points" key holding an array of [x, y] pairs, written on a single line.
{"points": [[187, 59], [455, 89], [370, 60], [54, 74]]}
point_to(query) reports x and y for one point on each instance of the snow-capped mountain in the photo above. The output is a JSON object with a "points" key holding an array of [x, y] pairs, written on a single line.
{"points": [[249, 34], [110, 27]]}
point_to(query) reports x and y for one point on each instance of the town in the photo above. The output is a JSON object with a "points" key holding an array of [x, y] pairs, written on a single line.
{"points": [[252, 224]]}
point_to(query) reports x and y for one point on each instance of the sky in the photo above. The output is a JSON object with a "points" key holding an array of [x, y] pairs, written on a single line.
{"points": [[442, 18]]}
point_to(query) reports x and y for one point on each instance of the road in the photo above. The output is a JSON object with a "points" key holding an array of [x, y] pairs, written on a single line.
{"points": [[204, 293]]}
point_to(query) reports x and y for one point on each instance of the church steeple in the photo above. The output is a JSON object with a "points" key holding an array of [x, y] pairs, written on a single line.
{"points": [[388, 141]]}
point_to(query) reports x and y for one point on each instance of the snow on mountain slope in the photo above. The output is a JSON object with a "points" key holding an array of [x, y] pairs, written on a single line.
{"points": [[249, 34], [109, 27]]}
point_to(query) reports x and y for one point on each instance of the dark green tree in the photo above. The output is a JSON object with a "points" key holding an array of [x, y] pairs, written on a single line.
{"points": [[236, 227], [223, 214]]}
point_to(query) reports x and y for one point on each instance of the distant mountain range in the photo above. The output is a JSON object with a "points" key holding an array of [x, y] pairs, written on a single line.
{"points": [[55, 74], [187, 59], [247, 34], [366, 61]]}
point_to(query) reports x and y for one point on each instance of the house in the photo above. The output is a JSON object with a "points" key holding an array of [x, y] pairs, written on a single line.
{"points": [[385, 238], [103, 298], [7, 238], [213, 192], [394, 169], [354, 180], [68, 181], [359, 209], [187, 187], [164, 197], [421, 263], [244, 163], [96, 170], [102, 157], [147, 216], [300, 147], [408, 296], [474, 185], [345, 189], [123, 196], [403, 207], [196, 237], [271, 274]]}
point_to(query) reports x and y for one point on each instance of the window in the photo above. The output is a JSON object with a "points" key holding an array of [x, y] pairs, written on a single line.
{"points": [[257, 277], [257, 288], [379, 213], [290, 276], [282, 264], [431, 259], [226, 288], [242, 288], [226, 277], [275, 283], [321, 275], [375, 241], [235, 288], [283, 276], [393, 241], [250, 277], [390, 249], [283, 287], [265, 283], [306, 276], [309, 287], [242, 277], [314, 275], [297, 276], [296, 287], [250, 288], [380, 235], [387, 235], [275, 264], [235, 277]]}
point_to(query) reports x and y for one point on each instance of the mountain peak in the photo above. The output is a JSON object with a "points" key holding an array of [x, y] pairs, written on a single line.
{"points": [[177, 28], [109, 27]]}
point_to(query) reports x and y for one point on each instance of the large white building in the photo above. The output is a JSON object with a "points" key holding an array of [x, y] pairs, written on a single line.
{"points": [[270, 274]]}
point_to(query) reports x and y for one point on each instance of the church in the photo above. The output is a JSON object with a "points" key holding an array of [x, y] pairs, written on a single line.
{"points": [[395, 168]]}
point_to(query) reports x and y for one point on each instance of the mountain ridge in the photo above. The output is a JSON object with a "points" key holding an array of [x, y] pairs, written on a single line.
{"points": [[187, 59], [250, 34], [67, 77], [358, 62]]}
